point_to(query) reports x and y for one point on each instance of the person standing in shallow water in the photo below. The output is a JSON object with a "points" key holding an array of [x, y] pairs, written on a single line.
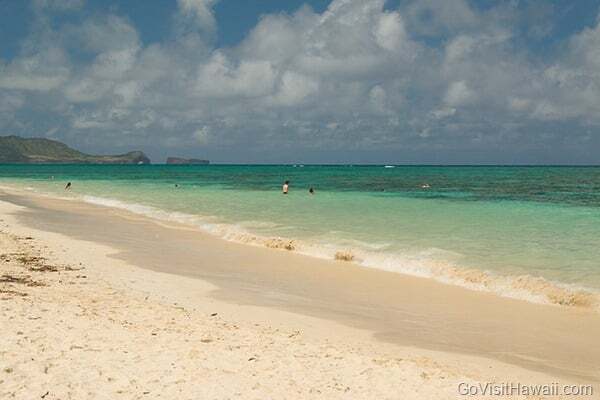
{"points": [[311, 190], [286, 186], [68, 187]]}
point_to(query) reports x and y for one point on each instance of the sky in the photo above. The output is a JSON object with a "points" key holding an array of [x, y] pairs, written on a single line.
{"points": [[307, 81]]}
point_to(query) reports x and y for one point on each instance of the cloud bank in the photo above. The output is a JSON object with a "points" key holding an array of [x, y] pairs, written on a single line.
{"points": [[431, 81]]}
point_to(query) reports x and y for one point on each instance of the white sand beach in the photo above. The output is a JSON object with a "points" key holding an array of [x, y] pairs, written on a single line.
{"points": [[81, 321]]}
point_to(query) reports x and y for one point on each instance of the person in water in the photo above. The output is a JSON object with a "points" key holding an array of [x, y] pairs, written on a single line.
{"points": [[311, 190], [286, 186], [68, 186]]}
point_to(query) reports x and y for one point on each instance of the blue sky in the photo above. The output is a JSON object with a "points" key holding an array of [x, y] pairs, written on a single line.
{"points": [[415, 81]]}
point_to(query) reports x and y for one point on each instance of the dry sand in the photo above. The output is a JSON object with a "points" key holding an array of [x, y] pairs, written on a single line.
{"points": [[79, 323]]}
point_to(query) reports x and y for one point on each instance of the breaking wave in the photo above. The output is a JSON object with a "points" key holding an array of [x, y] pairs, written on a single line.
{"points": [[432, 263]]}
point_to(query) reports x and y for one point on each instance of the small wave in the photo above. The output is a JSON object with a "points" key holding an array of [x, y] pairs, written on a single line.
{"points": [[434, 263], [338, 238], [430, 263], [259, 224]]}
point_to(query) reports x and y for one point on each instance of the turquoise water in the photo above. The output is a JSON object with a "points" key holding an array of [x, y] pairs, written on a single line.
{"points": [[539, 222]]}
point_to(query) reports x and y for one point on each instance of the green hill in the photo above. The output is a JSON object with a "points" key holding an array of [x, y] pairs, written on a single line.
{"points": [[17, 150]]}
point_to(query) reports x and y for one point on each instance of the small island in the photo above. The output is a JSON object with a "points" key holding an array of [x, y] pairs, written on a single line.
{"points": [[186, 161], [18, 150]]}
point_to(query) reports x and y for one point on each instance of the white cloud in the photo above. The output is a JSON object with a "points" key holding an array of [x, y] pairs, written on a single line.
{"points": [[42, 71], [356, 76], [202, 135], [200, 11], [460, 48], [294, 88], [390, 32], [220, 78], [128, 92], [458, 94], [86, 90], [22, 81], [519, 104], [83, 123], [378, 99], [443, 112], [102, 34]]}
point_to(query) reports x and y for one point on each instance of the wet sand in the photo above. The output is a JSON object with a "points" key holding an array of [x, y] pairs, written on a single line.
{"points": [[396, 309]]}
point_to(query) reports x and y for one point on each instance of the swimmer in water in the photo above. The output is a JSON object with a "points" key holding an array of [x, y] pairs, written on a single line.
{"points": [[286, 186], [311, 190], [68, 187]]}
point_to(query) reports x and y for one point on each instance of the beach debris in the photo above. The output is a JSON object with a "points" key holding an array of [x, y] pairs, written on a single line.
{"points": [[214, 314], [344, 256], [27, 259], [69, 268], [33, 263], [43, 268], [252, 359], [45, 394], [577, 299], [555, 294], [279, 243], [22, 280], [12, 293]]}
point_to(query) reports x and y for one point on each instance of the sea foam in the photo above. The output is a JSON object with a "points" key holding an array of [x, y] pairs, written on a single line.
{"points": [[431, 263]]}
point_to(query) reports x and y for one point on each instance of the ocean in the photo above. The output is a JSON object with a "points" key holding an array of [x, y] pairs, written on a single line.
{"points": [[525, 232]]}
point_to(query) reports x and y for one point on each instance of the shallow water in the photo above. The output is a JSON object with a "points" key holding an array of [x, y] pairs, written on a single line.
{"points": [[521, 227]]}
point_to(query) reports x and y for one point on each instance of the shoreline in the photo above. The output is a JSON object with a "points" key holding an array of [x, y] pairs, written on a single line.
{"points": [[248, 296], [520, 286]]}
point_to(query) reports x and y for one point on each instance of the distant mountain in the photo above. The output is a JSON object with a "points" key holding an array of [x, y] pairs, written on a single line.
{"points": [[186, 161], [18, 150]]}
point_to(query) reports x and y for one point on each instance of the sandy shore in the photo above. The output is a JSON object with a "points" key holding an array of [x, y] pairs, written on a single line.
{"points": [[80, 320]]}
